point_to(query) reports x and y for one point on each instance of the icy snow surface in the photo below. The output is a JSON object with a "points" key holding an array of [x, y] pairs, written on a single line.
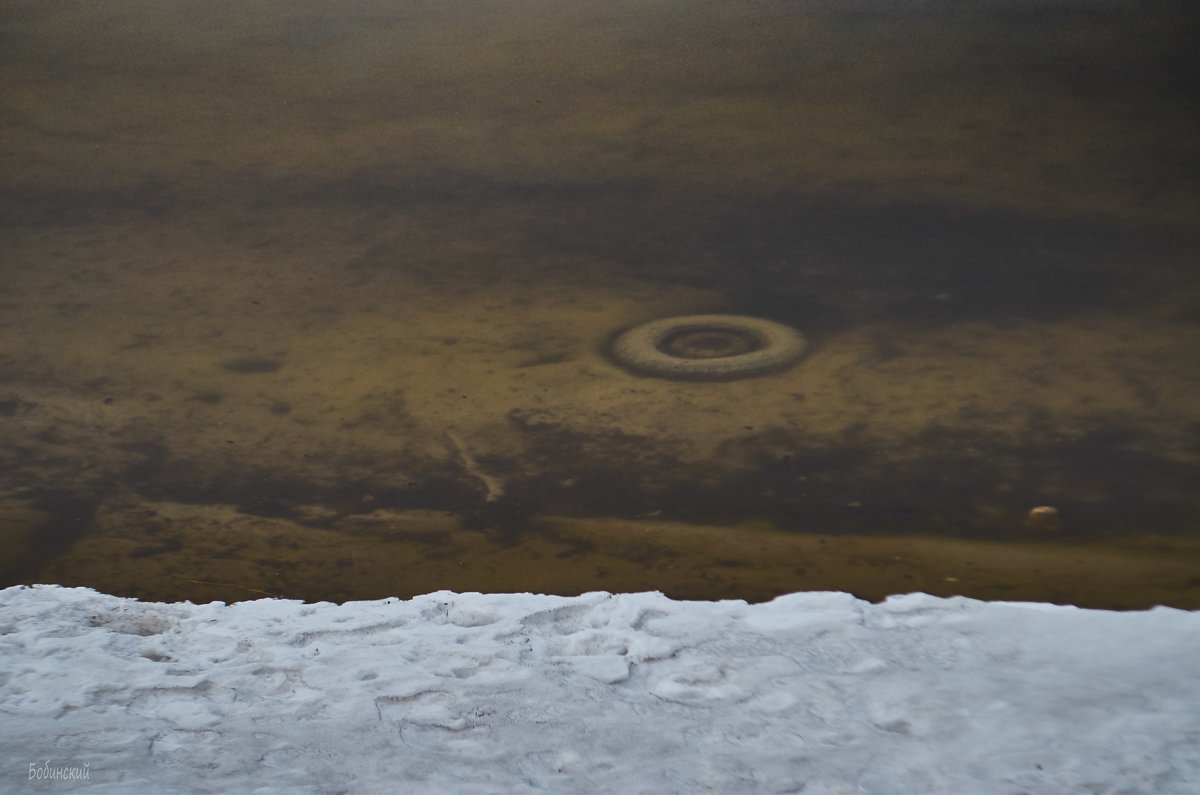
{"points": [[818, 693]]}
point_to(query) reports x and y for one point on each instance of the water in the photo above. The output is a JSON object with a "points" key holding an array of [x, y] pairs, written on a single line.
{"points": [[313, 300]]}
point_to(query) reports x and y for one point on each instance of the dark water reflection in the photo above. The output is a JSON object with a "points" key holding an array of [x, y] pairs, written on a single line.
{"points": [[417, 225]]}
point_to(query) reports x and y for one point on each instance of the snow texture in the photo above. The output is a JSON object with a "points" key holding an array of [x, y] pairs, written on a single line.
{"points": [[818, 693]]}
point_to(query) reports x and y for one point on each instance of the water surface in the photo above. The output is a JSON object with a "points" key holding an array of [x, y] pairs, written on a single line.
{"points": [[313, 299]]}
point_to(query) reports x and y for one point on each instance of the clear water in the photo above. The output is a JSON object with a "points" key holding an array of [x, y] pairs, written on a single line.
{"points": [[313, 299]]}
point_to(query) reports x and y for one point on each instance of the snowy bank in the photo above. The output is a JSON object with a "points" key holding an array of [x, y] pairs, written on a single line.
{"points": [[818, 693]]}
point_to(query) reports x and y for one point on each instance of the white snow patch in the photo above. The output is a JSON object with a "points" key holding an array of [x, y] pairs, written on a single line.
{"points": [[630, 693]]}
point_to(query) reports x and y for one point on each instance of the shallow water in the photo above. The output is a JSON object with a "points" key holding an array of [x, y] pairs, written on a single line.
{"points": [[314, 301]]}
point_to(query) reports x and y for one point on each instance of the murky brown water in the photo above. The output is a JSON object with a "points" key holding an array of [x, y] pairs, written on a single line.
{"points": [[313, 300]]}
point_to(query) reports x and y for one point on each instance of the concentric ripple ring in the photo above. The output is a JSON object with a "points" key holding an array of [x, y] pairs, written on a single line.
{"points": [[708, 347]]}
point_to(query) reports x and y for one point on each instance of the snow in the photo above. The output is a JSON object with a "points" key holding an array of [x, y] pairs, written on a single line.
{"points": [[819, 693]]}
